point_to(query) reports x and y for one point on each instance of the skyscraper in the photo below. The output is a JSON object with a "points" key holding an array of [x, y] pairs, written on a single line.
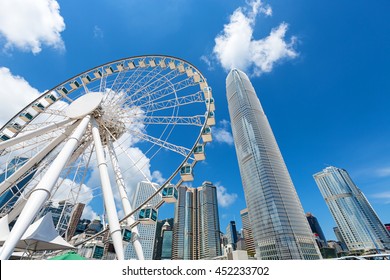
{"points": [[166, 250], [196, 230], [161, 227], [146, 232], [317, 231], [279, 225], [359, 225], [231, 233]]}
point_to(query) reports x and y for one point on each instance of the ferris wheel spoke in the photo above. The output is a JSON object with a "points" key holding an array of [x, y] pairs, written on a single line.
{"points": [[172, 103], [164, 144], [35, 133], [163, 120], [151, 95], [146, 89], [139, 81], [151, 82]]}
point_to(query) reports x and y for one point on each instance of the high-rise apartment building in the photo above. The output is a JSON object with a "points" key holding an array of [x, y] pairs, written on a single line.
{"points": [[147, 232], [196, 230], [359, 225], [278, 223]]}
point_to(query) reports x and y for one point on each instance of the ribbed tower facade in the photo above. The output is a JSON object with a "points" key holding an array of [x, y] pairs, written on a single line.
{"points": [[278, 223], [196, 230], [359, 225]]}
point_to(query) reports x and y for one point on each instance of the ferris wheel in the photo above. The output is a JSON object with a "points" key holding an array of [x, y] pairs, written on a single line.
{"points": [[104, 127]]}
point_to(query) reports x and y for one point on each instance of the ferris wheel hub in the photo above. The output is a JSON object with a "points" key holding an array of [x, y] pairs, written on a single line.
{"points": [[84, 105]]}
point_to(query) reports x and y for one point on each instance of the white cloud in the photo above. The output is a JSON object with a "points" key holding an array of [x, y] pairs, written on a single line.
{"points": [[97, 32], [73, 192], [29, 24], [225, 199], [383, 172], [15, 94], [235, 47], [222, 134], [385, 196], [158, 177], [89, 213]]}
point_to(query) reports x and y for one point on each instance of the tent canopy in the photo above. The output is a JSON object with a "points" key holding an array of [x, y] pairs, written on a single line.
{"points": [[39, 236]]}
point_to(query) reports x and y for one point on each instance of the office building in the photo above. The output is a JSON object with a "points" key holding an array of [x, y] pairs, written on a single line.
{"points": [[61, 214], [247, 233], [317, 231], [359, 225], [278, 222], [167, 235], [161, 227], [196, 230], [74, 220], [231, 233], [147, 232]]}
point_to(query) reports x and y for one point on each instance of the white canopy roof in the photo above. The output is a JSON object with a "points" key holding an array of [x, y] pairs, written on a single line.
{"points": [[39, 236]]}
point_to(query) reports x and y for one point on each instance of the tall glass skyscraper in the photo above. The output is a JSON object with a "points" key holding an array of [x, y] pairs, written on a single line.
{"points": [[279, 225], [359, 225], [196, 230], [231, 233], [146, 232]]}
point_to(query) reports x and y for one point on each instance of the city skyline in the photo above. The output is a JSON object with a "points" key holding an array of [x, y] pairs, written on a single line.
{"points": [[325, 92]]}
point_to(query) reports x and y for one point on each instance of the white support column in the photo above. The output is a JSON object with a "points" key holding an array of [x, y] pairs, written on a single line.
{"points": [[125, 202], [43, 190], [109, 202]]}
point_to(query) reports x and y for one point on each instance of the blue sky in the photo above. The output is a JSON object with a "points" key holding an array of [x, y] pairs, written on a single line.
{"points": [[319, 68]]}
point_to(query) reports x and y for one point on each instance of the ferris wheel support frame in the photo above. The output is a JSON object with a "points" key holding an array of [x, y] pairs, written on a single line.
{"points": [[34, 160], [109, 202], [127, 209], [43, 190]]}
